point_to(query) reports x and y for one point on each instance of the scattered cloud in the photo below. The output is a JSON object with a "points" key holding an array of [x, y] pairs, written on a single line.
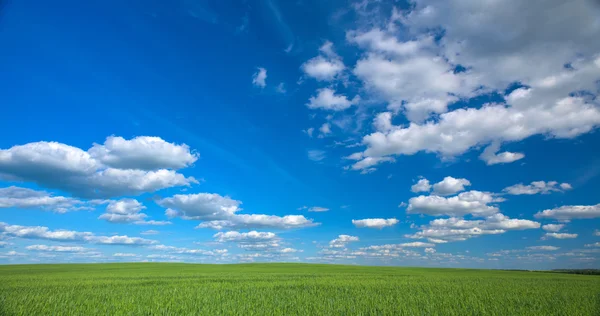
{"points": [[259, 78], [318, 209], [128, 211], [342, 240], [221, 212], [569, 212], [473, 202], [378, 223], [316, 154], [325, 67], [143, 153], [553, 228], [450, 186], [60, 166], [421, 186], [16, 197], [559, 236], [543, 248], [327, 99], [537, 187], [44, 233]]}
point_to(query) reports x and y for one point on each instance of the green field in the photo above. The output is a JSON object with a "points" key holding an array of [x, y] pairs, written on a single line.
{"points": [[289, 289]]}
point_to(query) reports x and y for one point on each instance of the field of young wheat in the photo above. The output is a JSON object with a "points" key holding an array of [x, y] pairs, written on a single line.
{"points": [[289, 289]]}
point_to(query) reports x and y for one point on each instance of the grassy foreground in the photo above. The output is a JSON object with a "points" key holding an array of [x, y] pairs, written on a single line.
{"points": [[289, 289]]}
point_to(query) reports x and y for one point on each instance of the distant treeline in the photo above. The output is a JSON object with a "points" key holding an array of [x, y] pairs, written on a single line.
{"points": [[578, 271]]}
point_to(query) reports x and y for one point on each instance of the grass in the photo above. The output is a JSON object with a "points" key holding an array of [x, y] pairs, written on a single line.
{"points": [[289, 289]]}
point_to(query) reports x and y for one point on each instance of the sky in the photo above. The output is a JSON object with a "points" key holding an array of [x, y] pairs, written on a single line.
{"points": [[436, 133]]}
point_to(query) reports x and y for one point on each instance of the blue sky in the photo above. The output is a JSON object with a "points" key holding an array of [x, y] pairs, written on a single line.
{"points": [[425, 133]]}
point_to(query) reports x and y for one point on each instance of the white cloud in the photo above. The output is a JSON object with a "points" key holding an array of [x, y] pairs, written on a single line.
{"points": [[404, 67], [125, 255], [597, 232], [252, 236], [378, 223], [56, 248], [201, 206], [143, 152], [597, 244], [220, 212], [325, 67], [421, 186], [248, 221], [429, 250], [458, 131], [537, 187], [59, 166], [318, 209], [366, 164], [491, 156], [553, 228], [417, 244], [150, 232], [44, 233], [128, 211], [458, 229], [16, 197], [327, 99], [325, 130], [259, 78], [471, 202], [316, 154], [342, 240], [309, 131], [569, 212], [559, 236], [544, 248], [450, 186], [281, 88]]}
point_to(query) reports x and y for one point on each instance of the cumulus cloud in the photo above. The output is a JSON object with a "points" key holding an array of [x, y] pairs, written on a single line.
{"points": [[56, 248], [219, 212], [459, 229], [128, 211], [378, 223], [569, 212], [421, 186], [491, 156], [59, 166], [597, 244], [543, 248], [327, 99], [259, 221], [342, 240], [16, 197], [418, 76], [259, 77], [324, 130], [559, 236], [252, 236], [325, 67], [537, 187], [44, 233], [450, 186], [263, 242], [553, 228], [142, 152], [471, 202], [186, 251]]}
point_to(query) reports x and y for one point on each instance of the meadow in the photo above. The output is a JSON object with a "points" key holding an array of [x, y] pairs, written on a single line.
{"points": [[289, 289]]}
